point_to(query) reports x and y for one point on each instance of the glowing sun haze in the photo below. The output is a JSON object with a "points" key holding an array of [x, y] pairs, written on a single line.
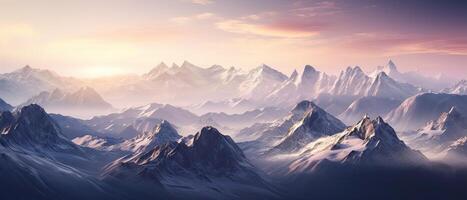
{"points": [[95, 38]]}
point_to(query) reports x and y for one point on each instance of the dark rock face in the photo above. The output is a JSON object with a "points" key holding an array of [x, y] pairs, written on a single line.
{"points": [[210, 154], [32, 128], [4, 106], [211, 162]]}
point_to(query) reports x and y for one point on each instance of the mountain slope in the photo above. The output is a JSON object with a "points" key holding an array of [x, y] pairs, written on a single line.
{"points": [[247, 118], [142, 119], [17, 86], [369, 142], [73, 127], [4, 106], [354, 82], [316, 123], [160, 134], [32, 129], [38, 162], [280, 128], [260, 81], [351, 82], [417, 110], [371, 106], [436, 137], [212, 164], [85, 102], [304, 86], [459, 88], [448, 127], [414, 78]]}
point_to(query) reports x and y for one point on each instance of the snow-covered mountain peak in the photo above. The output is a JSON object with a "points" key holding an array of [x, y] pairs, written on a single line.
{"points": [[190, 66], [364, 128], [449, 126], [459, 88], [444, 120], [309, 69], [28, 71], [294, 75], [304, 106], [158, 70], [88, 91], [30, 127], [315, 123], [382, 75], [391, 66], [310, 75], [25, 69], [174, 66], [166, 130], [216, 68], [368, 142], [367, 128], [162, 133], [354, 70], [210, 137], [390, 69], [265, 70]]}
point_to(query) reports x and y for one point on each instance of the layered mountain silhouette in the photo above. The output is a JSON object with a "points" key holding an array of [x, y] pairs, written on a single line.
{"points": [[211, 163], [369, 142]]}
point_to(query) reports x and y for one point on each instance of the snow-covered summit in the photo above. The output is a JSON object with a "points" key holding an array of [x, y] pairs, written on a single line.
{"points": [[459, 88], [33, 129], [162, 133], [368, 142], [315, 123]]}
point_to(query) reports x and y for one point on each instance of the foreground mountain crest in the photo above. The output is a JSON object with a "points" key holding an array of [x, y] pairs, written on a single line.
{"points": [[210, 158], [315, 123], [32, 128], [369, 142]]}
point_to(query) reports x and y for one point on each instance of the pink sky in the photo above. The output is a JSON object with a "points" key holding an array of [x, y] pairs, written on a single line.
{"points": [[89, 38]]}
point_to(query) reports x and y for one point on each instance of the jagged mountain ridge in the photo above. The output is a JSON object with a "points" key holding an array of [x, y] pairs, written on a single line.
{"points": [[211, 160], [354, 82], [19, 85], [414, 78], [31, 128], [162, 133], [252, 89], [38, 162], [449, 126], [306, 85], [459, 88], [315, 123], [369, 142]]}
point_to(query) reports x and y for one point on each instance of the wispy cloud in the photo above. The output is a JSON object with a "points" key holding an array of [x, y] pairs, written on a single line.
{"points": [[242, 27], [402, 44], [202, 2], [200, 16]]}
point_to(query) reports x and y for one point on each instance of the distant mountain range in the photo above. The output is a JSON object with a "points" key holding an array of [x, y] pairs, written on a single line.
{"points": [[18, 86], [217, 133], [219, 89], [85, 102]]}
